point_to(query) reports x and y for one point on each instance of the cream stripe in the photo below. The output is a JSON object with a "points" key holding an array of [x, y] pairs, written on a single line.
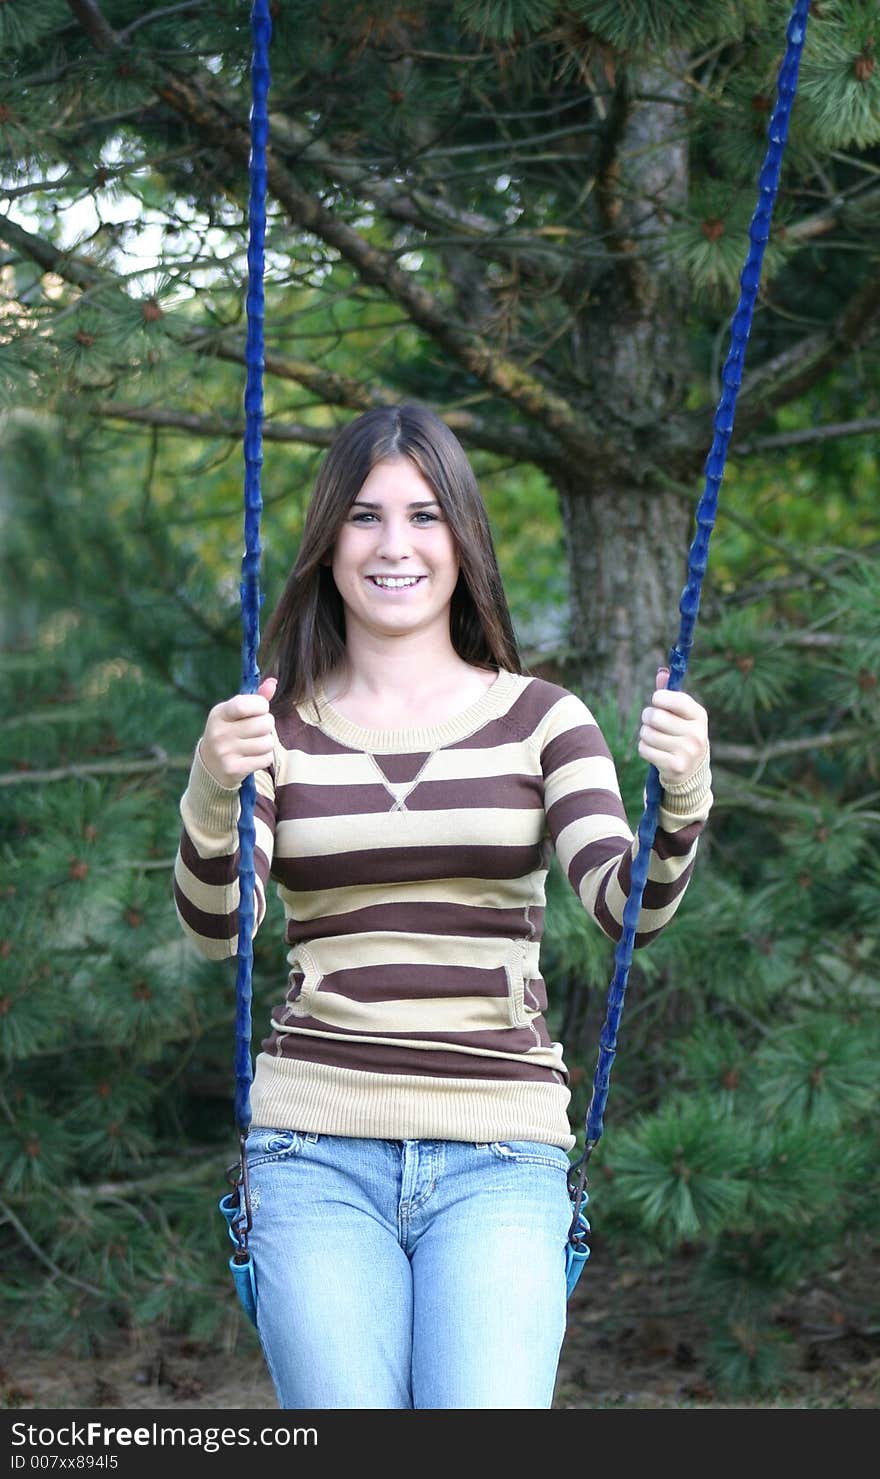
{"points": [[210, 949], [476, 893], [473, 826], [583, 831], [374, 1019], [667, 870], [594, 772], [391, 947], [354, 768], [544, 1057], [649, 919], [263, 838], [569, 712], [216, 898], [212, 898]]}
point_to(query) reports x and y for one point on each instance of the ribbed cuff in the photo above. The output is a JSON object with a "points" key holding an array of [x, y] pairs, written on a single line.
{"points": [[689, 797], [213, 807]]}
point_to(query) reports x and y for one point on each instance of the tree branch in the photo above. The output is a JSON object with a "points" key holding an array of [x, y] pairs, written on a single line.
{"points": [[329, 387], [809, 434], [51, 258], [10, 1217], [97, 767], [417, 206], [798, 369], [211, 426], [471, 429], [93, 23], [558, 421], [758, 754], [782, 379]]}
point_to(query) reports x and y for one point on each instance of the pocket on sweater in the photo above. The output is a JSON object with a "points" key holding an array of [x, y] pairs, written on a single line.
{"points": [[304, 978], [516, 986]]}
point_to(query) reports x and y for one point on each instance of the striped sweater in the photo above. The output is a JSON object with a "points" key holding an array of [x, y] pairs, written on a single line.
{"points": [[411, 866]]}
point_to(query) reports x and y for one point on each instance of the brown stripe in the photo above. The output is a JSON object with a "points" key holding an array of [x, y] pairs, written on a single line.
{"points": [[388, 1058], [431, 917], [677, 844], [501, 1040], [533, 704], [498, 731], [536, 993], [604, 918], [298, 800], [400, 768], [661, 895], [584, 803], [645, 938], [415, 983], [293, 733], [208, 870], [544, 1037], [604, 850], [265, 808], [657, 894], [583, 742], [512, 791], [376, 865], [210, 926]]}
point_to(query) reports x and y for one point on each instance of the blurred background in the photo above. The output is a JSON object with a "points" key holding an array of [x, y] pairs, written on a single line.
{"points": [[531, 216]]}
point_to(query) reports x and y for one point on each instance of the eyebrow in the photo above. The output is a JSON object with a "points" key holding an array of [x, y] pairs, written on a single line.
{"points": [[426, 503]]}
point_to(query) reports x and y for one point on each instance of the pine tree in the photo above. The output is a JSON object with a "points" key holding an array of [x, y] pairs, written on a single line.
{"points": [[499, 157]]}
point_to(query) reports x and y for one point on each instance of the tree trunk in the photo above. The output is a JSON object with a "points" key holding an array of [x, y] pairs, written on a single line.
{"points": [[627, 556], [627, 542]]}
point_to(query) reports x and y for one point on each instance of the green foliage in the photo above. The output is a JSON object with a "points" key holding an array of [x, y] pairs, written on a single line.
{"points": [[504, 20], [839, 82], [503, 154], [652, 25]]}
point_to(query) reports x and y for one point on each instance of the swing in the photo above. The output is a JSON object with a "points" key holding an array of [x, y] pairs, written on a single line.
{"points": [[235, 1206]]}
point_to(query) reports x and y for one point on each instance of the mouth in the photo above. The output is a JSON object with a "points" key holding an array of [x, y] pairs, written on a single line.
{"points": [[396, 589]]}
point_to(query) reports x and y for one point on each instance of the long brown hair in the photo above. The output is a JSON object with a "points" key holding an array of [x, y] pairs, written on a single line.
{"points": [[305, 635]]}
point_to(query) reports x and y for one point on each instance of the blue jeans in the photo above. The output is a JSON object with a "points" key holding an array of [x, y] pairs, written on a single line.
{"points": [[408, 1273]]}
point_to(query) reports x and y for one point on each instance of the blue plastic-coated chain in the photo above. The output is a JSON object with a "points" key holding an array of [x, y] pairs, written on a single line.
{"points": [[740, 326], [251, 599]]}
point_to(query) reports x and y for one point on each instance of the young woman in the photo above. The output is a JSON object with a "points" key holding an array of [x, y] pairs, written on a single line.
{"points": [[410, 1140]]}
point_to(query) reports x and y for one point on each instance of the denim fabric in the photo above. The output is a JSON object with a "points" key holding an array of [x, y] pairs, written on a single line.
{"points": [[408, 1273]]}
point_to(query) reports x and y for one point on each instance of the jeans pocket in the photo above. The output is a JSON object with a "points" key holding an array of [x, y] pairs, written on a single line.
{"points": [[531, 1152], [265, 1144]]}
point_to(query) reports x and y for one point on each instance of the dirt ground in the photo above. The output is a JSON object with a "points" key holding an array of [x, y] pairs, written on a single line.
{"points": [[631, 1343]]}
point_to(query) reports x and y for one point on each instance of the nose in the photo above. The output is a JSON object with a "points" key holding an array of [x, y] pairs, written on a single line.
{"points": [[394, 539]]}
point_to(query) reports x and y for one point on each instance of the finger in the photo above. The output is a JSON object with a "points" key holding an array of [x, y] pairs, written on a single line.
{"points": [[662, 677], [677, 702], [665, 721], [261, 728], [267, 688], [250, 747], [244, 706]]}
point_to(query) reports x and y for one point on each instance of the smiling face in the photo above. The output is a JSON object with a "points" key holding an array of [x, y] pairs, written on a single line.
{"points": [[395, 528]]}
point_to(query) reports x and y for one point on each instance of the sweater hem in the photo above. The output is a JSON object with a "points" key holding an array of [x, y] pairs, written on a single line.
{"points": [[293, 1094]]}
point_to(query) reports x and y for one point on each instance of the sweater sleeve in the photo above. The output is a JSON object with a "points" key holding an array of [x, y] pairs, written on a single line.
{"points": [[206, 891], [590, 832]]}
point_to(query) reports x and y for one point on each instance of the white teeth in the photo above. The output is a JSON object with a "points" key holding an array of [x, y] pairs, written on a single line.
{"points": [[395, 583]]}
